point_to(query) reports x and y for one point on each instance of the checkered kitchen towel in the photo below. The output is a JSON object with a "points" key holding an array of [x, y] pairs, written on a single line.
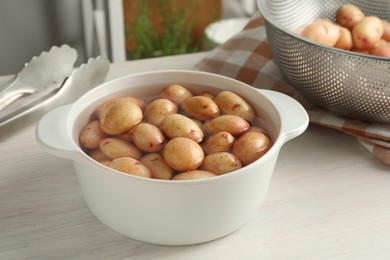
{"points": [[246, 57]]}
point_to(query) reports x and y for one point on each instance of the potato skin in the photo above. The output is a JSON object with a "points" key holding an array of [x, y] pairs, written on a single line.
{"points": [[130, 166], [156, 164], [367, 32], [381, 42], [105, 162], [200, 107], [114, 148], [233, 124], [120, 117], [232, 104], [98, 155], [219, 142], [221, 163], [126, 136], [251, 146], [345, 41], [107, 104], [176, 93], [177, 125], [183, 154], [193, 175], [381, 50], [347, 15], [386, 31], [158, 109], [322, 31], [148, 137], [206, 94], [257, 128], [91, 135]]}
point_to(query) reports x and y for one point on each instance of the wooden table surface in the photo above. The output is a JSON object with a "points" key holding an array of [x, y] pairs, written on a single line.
{"points": [[328, 199]]}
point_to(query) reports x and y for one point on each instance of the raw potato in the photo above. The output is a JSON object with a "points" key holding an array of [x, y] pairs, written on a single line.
{"points": [[155, 162], [322, 31], [106, 105], [114, 148], [120, 117], [386, 31], [105, 162], [219, 142], [381, 50], [233, 124], [381, 42], [177, 125], [165, 139], [345, 41], [148, 137], [206, 94], [130, 166], [348, 15], [357, 32], [193, 175], [176, 93], [232, 104], [183, 154], [367, 32], [91, 135], [258, 129], [251, 146], [158, 109], [221, 163], [200, 125], [98, 155], [200, 107], [126, 136]]}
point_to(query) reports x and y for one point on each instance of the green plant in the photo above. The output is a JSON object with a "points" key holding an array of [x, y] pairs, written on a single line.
{"points": [[175, 38]]}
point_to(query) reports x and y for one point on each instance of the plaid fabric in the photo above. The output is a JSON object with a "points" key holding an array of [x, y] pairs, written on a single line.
{"points": [[246, 57]]}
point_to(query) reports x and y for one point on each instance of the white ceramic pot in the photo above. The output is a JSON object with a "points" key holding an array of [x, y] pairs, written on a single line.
{"points": [[171, 212]]}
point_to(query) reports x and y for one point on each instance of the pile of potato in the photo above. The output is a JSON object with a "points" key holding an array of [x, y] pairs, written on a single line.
{"points": [[354, 31], [176, 136]]}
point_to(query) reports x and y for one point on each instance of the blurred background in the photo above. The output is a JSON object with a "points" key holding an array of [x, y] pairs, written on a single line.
{"points": [[117, 29]]}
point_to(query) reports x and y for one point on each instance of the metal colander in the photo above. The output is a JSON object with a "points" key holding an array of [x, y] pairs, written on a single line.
{"points": [[348, 83]]}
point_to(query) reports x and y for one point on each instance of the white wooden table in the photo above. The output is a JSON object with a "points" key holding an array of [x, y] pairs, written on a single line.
{"points": [[329, 199]]}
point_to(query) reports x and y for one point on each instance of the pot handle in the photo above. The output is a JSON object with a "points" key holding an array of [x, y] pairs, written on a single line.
{"points": [[51, 133], [294, 117]]}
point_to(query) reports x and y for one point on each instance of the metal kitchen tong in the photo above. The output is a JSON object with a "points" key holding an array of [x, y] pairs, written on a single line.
{"points": [[47, 81], [42, 71]]}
